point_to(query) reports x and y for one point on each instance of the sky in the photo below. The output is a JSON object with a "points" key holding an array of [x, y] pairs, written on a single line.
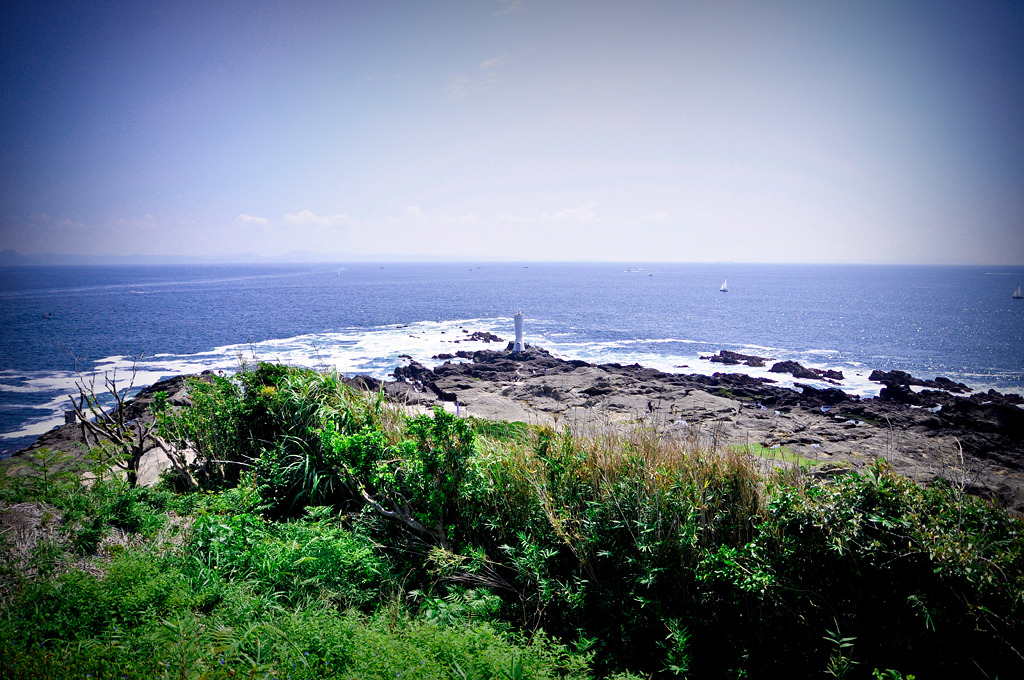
{"points": [[565, 130]]}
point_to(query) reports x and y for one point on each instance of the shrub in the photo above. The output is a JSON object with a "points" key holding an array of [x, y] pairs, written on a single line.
{"points": [[77, 605], [657, 556], [297, 560]]}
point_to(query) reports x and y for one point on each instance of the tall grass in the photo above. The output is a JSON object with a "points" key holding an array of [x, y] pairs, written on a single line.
{"points": [[590, 551]]}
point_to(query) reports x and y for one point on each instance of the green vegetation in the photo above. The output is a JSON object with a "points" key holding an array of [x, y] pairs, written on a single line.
{"points": [[322, 533], [780, 453]]}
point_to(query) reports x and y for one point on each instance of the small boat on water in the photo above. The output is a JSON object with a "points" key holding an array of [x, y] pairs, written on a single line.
{"points": [[1018, 294], [725, 286]]}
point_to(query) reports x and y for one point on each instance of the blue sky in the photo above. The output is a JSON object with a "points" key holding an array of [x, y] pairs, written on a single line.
{"points": [[882, 132]]}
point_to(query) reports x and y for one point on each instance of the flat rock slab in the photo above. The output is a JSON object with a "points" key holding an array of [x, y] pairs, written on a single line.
{"points": [[973, 442]]}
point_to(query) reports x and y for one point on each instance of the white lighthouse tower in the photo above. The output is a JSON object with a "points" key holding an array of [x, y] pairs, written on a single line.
{"points": [[518, 347]]}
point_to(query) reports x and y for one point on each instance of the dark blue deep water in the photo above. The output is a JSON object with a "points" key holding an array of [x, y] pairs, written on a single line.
{"points": [[59, 323]]}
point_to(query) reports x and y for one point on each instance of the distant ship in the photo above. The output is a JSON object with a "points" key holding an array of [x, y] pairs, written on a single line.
{"points": [[725, 286], [1018, 294]]}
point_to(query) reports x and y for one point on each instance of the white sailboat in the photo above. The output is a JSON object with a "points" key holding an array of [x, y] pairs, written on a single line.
{"points": [[725, 286], [1018, 294]]}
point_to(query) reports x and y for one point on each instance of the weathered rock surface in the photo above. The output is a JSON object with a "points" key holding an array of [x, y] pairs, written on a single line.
{"points": [[798, 370], [974, 441], [484, 336], [733, 358], [905, 379]]}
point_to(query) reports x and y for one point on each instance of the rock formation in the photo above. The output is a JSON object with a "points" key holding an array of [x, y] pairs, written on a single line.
{"points": [[973, 440]]}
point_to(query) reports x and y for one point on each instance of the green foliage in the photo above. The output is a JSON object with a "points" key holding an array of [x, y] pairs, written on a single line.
{"points": [[112, 505], [841, 662], [78, 604], [311, 642], [780, 453], [889, 674], [214, 426], [500, 430], [86, 540], [47, 557], [102, 459], [676, 645], [458, 607], [326, 514], [444, 447], [48, 474], [294, 560]]}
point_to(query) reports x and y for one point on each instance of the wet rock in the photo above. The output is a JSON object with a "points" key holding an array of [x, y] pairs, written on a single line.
{"points": [[829, 396], [900, 394], [363, 383], [904, 378], [893, 377], [1001, 419], [733, 358], [994, 397], [414, 372], [483, 336], [950, 386], [915, 431], [798, 370]]}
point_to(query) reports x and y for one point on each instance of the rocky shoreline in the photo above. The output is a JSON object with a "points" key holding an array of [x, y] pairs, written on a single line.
{"points": [[926, 429], [939, 430]]}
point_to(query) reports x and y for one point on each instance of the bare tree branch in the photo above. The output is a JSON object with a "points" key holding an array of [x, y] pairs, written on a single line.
{"points": [[115, 424]]}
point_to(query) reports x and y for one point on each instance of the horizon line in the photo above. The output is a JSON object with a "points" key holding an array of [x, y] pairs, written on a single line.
{"points": [[11, 257]]}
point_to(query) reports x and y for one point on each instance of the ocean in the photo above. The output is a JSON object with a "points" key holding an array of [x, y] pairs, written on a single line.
{"points": [[59, 325]]}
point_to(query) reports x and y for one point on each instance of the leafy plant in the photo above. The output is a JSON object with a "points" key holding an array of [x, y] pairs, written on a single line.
{"points": [[677, 654], [841, 661], [48, 472]]}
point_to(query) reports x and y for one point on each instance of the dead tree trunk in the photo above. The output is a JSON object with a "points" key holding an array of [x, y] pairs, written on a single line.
{"points": [[115, 424]]}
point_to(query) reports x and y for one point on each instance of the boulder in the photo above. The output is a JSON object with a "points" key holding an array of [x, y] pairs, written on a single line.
{"points": [[819, 397], [797, 370], [484, 336], [733, 358]]}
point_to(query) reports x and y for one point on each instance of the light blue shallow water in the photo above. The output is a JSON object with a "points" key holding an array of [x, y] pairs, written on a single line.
{"points": [[960, 322]]}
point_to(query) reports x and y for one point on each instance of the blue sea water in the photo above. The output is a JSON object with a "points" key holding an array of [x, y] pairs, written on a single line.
{"points": [[62, 324]]}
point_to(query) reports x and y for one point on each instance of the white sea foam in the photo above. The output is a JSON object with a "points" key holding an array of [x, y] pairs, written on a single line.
{"points": [[761, 347], [34, 428], [377, 351]]}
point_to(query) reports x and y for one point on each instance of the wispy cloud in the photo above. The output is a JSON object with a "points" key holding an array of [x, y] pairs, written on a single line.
{"points": [[656, 217], [307, 217], [468, 218], [43, 218], [464, 86], [251, 219], [509, 6], [499, 60], [516, 219], [413, 213], [459, 88], [585, 214]]}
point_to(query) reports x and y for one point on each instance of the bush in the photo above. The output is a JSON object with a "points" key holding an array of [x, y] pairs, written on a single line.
{"points": [[77, 604], [298, 560], [652, 556]]}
